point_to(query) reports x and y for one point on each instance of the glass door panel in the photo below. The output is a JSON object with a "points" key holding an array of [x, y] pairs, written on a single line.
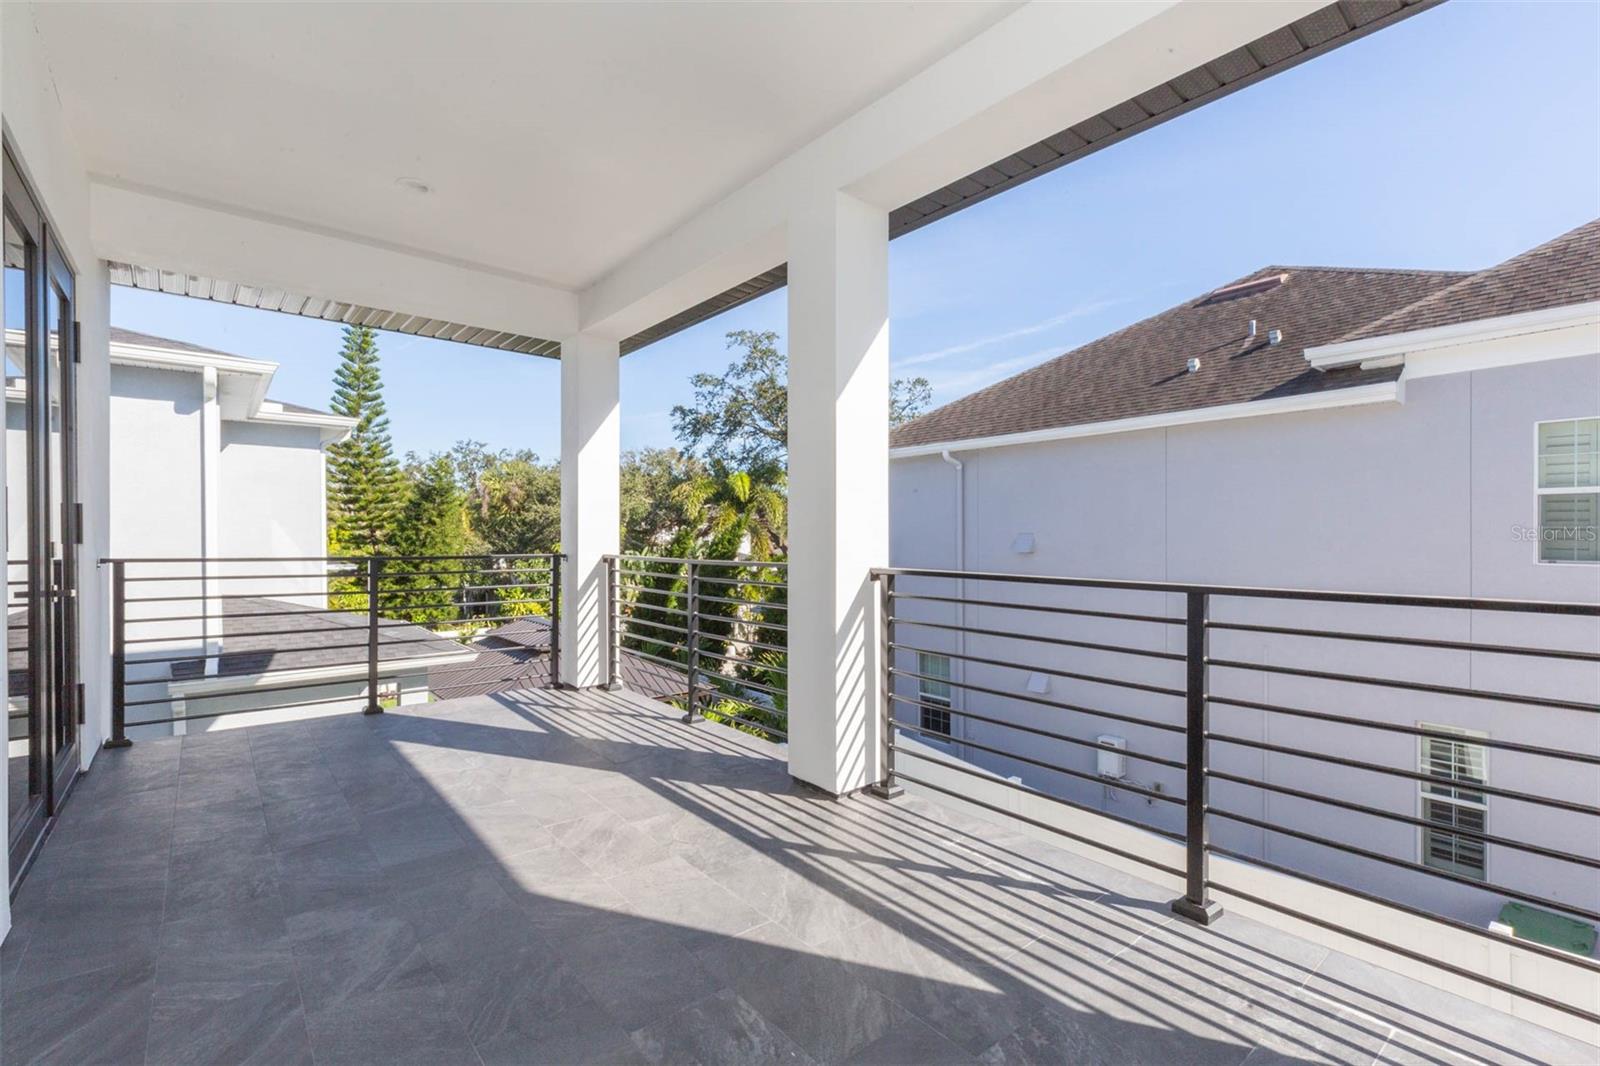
{"points": [[60, 553], [25, 771]]}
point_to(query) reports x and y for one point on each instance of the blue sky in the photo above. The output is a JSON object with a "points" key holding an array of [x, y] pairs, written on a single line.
{"points": [[1452, 140]]}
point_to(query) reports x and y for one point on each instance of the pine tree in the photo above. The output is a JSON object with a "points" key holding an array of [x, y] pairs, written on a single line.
{"points": [[366, 487]]}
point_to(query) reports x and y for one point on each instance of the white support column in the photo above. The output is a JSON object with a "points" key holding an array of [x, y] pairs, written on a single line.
{"points": [[838, 486], [591, 446]]}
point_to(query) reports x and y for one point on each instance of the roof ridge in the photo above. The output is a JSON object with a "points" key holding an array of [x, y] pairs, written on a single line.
{"points": [[1439, 296], [1418, 271]]}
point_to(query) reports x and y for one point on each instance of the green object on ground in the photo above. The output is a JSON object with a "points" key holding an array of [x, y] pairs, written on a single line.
{"points": [[1551, 930]]}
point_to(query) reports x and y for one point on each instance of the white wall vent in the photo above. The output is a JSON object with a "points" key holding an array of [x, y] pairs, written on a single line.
{"points": [[1109, 759]]}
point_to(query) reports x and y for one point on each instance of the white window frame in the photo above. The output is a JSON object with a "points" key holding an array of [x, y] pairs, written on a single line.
{"points": [[924, 696], [1540, 493], [1424, 796]]}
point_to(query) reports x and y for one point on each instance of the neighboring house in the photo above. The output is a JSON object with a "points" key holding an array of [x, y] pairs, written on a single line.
{"points": [[204, 465], [1374, 430], [517, 655]]}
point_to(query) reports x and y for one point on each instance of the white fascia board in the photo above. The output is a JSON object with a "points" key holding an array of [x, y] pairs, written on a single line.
{"points": [[1392, 347], [1035, 72], [334, 427], [152, 227], [1355, 396], [200, 687]]}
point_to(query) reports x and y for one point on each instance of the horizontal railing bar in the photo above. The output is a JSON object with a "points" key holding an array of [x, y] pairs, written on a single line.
{"points": [[203, 560], [1150, 653], [1407, 819], [719, 694], [360, 627], [537, 601], [743, 643], [468, 620], [764, 605], [752, 582], [200, 656], [275, 594], [667, 593], [670, 663], [625, 559], [1081, 775], [397, 590], [737, 662], [229, 693], [1580, 961], [1157, 759], [1014, 786], [1042, 607], [1409, 686], [1465, 603], [632, 621], [1409, 730], [1418, 642], [1405, 864], [758, 686], [1099, 845], [1026, 698], [1426, 959], [657, 607], [1410, 775], [218, 617], [248, 710], [1096, 679], [326, 575]]}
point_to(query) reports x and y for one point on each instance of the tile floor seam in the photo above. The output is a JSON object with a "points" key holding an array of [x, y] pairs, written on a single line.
{"points": [[1129, 946], [1376, 1059]]}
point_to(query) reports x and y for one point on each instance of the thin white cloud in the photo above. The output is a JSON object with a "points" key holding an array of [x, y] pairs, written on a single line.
{"points": [[958, 383], [1080, 311]]}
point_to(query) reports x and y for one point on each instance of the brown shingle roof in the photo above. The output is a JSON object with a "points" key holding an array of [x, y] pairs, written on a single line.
{"points": [[1141, 369], [1558, 273]]}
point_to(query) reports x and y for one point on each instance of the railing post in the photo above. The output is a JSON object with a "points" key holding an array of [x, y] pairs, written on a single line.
{"points": [[374, 580], [119, 657], [1194, 904], [886, 789], [555, 621], [692, 643], [613, 625]]}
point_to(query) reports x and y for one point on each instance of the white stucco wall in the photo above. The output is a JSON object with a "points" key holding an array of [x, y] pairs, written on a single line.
{"points": [[1421, 497]]}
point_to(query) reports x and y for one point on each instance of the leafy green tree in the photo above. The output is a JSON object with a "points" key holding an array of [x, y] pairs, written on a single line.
{"points": [[432, 522], [366, 487], [738, 511], [908, 398], [740, 418], [652, 513], [514, 500]]}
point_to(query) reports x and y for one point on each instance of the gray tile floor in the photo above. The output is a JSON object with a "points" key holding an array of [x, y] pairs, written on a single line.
{"points": [[548, 877]]}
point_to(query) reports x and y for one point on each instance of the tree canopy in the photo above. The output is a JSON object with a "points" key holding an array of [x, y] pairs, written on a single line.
{"points": [[740, 418]]}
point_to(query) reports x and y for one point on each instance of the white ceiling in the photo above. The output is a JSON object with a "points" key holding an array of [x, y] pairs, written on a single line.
{"points": [[558, 138]]}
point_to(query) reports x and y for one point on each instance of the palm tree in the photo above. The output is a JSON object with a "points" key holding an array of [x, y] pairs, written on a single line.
{"points": [[738, 510]]}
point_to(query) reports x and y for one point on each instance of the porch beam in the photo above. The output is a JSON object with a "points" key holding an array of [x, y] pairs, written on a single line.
{"points": [[838, 485], [591, 452]]}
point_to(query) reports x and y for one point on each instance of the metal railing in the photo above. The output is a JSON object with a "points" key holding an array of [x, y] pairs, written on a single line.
{"points": [[722, 623], [195, 639], [1341, 739]]}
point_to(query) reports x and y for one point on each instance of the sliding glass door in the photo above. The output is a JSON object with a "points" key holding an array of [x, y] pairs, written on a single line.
{"points": [[43, 709]]}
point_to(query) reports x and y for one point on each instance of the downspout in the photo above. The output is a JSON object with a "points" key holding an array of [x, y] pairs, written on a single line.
{"points": [[958, 672]]}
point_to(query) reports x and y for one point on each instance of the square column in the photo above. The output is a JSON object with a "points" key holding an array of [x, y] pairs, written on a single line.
{"points": [[838, 486], [591, 445]]}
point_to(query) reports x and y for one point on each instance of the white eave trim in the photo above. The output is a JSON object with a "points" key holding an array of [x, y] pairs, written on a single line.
{"points": [[1394, 347], [334, 427], [198, 687], [1354, 396]]}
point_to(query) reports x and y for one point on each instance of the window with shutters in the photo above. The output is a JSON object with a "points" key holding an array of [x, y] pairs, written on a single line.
{"points": [[1457, 814], [933, 692], [1568, 485]]}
